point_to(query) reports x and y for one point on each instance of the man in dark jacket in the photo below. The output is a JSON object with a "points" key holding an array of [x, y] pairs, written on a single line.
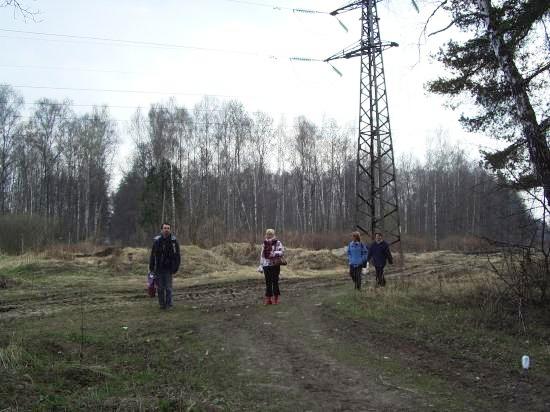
{"points": [[164, 262], [379, 252]]}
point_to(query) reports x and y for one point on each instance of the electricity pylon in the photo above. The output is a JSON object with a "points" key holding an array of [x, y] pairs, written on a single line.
{"points": [[376, 192]]}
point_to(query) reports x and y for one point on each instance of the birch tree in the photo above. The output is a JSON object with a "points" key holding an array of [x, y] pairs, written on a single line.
{"points": [[504, 66]]}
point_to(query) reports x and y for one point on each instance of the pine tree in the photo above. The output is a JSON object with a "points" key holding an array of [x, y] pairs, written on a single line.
{"points": [[504, 66]]}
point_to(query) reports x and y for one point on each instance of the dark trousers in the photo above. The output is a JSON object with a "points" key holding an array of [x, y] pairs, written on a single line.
{"points": [[380, 280], [271, 274], [164, 289], [355, 274]]}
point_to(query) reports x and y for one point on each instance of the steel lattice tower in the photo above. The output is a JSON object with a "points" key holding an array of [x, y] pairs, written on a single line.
{"points": [[376, 201]]}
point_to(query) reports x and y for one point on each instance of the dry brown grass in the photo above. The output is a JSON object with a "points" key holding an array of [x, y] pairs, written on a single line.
{"points": [[10, 356], [232, 261], [245, 254], [63, 251], [315, 241], [315, 259]]}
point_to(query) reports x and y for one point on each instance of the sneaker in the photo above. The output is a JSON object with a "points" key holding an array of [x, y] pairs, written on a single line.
{"points": [[276, 300], [267, 300]]}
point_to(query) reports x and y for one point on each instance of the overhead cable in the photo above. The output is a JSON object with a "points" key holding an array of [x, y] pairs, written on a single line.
{"points": [[276, 7]]}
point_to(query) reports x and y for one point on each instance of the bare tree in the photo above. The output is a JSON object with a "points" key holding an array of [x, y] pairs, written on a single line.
{"points": [[10, 127], [19, 8]]}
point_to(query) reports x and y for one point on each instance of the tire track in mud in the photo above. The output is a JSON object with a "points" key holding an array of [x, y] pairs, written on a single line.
{"points": [[304, 368], [242, 293], [217, 296], [292, 346], [222, 295]]}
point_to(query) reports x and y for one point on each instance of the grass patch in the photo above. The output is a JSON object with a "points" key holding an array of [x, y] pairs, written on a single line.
{"points": [[131, 360], [437, 341], [430, 334], [10, 356]]}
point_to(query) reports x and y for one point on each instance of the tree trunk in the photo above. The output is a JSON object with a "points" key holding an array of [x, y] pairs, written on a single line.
{"points": [[173, 198], [87, 203], [436, 246], [539, 152], [78, 213]]}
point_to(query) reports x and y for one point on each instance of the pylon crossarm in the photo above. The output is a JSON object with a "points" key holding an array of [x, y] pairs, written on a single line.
{"points": [[357, 50], [352, 6]]}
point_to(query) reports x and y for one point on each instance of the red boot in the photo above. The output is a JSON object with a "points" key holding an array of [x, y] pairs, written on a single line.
{"points": [[267, 300], [276, 300]]}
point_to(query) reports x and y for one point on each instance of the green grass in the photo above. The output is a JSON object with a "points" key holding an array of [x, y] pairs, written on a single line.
{"points": [[438, 327], [131, 357], [421, 336], [156, 363]]}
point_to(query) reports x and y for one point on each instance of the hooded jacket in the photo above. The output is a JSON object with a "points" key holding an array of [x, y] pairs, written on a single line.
{"points": [[357, 253], [165, 255], [379, 253]]}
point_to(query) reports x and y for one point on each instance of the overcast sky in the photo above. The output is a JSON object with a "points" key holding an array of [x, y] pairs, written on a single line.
{"points": [[226, 48]]}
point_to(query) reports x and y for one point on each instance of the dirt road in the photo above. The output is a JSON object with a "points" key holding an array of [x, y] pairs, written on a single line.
{"points": [[301, 351], [220, 348]]}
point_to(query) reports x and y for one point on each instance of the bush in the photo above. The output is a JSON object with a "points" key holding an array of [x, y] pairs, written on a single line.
{"points": [[525, 274], [465, 244], [21, 233]]}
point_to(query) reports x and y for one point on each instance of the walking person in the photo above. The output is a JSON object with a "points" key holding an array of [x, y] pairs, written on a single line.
{"points": [[357, 258], [379, 252], [270, 262], [164, 262]]}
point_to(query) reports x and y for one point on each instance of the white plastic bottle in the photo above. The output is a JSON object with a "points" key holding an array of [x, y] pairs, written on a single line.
{"points": [[525, 362]]}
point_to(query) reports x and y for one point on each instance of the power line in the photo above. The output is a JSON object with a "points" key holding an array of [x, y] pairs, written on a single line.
{"points": [[130, 42], [275, 7], [156, 45], [81, 69], [85, 89]]}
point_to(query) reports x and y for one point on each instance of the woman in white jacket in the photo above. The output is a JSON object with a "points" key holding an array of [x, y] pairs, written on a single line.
{"points": [[272, 249]]}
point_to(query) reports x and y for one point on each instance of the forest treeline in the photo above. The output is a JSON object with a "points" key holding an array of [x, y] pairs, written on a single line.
{"points": [[219, 172]]}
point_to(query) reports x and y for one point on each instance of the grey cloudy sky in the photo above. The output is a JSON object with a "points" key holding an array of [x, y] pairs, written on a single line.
{"points": [[252, 45]]}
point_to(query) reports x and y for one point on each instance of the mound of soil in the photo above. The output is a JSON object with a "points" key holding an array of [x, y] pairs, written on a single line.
{"points": [[314, 259], [244, 254], [197, 261]]}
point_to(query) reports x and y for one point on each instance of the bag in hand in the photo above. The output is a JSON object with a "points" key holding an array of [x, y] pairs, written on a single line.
{"points": [[278, 261], [151, 285]]}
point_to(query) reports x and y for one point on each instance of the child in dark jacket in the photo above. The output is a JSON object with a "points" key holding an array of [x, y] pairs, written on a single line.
{"points": [[357, 258], [379, 252]]}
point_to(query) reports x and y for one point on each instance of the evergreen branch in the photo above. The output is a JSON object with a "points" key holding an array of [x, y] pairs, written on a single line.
{"points": [[430, 17], [538, 71], [460, 19], [447, 27]]}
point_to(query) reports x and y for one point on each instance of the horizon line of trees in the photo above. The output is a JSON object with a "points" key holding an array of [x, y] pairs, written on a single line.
{"points": [[221, 172], [218, 173], [55, 170]]}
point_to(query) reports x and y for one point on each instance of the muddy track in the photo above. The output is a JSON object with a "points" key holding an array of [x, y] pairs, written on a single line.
{"points": [[220, 295], [246, 292], [288, 343], [217, 296]]}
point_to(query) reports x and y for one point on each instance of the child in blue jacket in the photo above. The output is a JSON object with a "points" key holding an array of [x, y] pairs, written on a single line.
{"points": [[357, 258]]}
